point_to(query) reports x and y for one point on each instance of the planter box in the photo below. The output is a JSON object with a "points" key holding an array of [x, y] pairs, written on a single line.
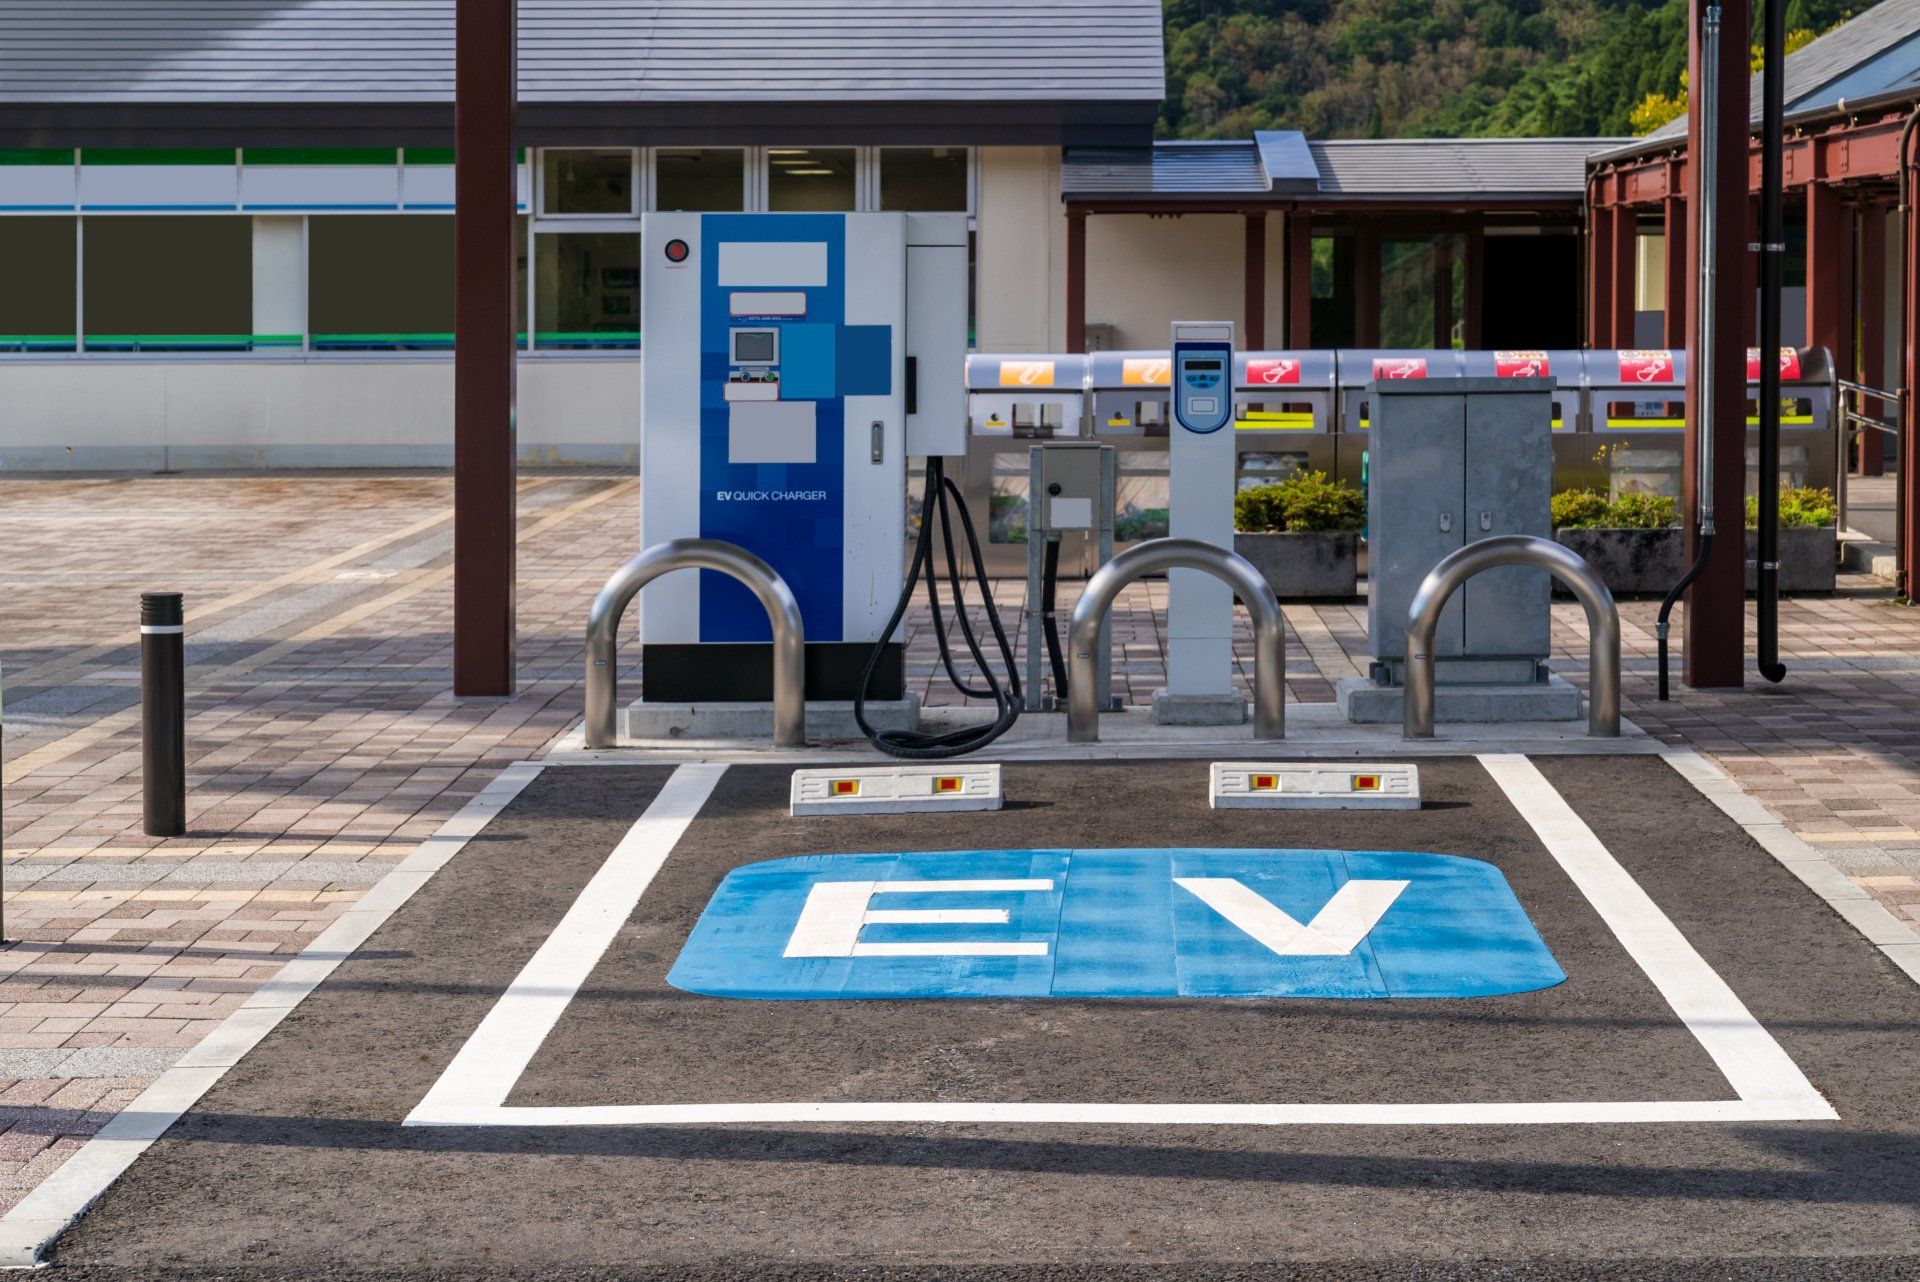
{"points": [[1305, 566], [1649, 562], [1808, 554], [1630, 562]]}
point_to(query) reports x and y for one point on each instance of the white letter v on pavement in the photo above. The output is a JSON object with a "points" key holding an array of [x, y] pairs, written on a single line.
{"points": [[1342, 922]]}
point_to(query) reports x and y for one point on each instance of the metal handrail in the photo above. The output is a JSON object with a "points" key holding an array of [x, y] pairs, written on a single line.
{"points": [[1603, 623], [1891, 426], [1155, 556], [783, 612]]}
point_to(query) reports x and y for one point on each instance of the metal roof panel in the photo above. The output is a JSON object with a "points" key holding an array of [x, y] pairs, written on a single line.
{"points": [[584, 51]]}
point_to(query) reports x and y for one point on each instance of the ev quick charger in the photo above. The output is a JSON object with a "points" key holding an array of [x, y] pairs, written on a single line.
{"points": [[791, 362], [1200, 463]]}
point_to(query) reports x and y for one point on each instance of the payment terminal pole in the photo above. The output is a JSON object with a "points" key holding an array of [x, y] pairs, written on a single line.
{"points": [[1199, 689]]}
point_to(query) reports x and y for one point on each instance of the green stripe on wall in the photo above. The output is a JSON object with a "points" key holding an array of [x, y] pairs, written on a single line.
{"points": [[157, 156], [37, 156], [193, 340], [444, 155], [320, 156]]}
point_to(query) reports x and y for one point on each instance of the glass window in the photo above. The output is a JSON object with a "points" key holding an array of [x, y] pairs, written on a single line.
{"points": [[37, 304], [586, 182], [169, 281], [924, 179], [1406, 293], [1332, 314], [699, 178], [587, 290], [385, 281], [810, 178]]}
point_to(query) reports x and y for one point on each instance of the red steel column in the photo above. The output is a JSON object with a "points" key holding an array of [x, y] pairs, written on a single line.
{"points": [[1673, 216], [1714, 631], [1625, 258], [1366, 284], [1830, 274], [1299, 279], [1254, 332], [1909, 471], [1076, 280], [1872, 359], [1600, 267], [484, 348]]}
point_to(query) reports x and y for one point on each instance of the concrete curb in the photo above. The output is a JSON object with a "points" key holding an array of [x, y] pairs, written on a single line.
{"points": [[1899, 941]]}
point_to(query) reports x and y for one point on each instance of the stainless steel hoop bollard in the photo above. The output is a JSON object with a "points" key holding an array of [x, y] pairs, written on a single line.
{"points": [[789, 634], [1269, 631], [1566, 565]]}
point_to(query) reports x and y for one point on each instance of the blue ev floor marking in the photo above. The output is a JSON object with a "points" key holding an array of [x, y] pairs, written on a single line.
{"points": [[1115, 923]]}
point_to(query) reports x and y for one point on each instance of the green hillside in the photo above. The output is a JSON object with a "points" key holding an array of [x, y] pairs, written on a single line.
{"points": [[1425, 68]]}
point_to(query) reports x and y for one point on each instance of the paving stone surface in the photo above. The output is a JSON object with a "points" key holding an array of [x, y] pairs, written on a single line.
{"points": [[324, 742]]}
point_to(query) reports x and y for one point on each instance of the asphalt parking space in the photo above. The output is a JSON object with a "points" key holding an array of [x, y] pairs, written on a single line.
{"points": [[296, 1162], [1603, 1034]]}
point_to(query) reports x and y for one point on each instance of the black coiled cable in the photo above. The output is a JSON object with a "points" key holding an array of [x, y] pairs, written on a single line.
{"points": [[918, 745]]}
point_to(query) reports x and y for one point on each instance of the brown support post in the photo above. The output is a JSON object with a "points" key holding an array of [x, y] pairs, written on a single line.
{"points": [[1600, 269], [1830, 274], [1673, 218], [1476, 286], [1255, 302], [1299, 279], [1076, 280], [1626, 264], [1871, 363], [1908, 467], [484, 449], [1366, 285], [1714, 633]]}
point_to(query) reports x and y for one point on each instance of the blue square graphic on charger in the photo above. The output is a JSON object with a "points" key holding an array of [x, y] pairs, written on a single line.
{"points": [[1115, 923]]}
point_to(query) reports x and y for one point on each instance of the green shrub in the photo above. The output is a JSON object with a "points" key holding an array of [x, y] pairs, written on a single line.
{"points": [[1799, 507], [1643, 512], [1578, 509], [1306, 502], [1590, 510]]}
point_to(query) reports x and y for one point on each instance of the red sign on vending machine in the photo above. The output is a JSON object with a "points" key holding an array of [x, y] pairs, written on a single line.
{"points": [[1645, 366], [1399, 367], [1789, 365], [1272, 371], [1521, 365]]}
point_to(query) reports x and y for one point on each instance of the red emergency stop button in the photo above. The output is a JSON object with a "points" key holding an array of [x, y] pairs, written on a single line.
{"points": [[676, 251]]}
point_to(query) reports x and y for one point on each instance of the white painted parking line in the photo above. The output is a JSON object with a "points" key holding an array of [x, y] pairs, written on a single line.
{"points": [[1769, 1085], [499, 1051], [1757, 1066]]}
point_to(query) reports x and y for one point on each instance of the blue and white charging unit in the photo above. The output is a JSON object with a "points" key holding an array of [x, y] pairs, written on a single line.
{"points": [[1200, 506], [791, 363]]}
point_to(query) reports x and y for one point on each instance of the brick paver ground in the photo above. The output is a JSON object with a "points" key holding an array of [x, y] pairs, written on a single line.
{"points": [[324, 744]]}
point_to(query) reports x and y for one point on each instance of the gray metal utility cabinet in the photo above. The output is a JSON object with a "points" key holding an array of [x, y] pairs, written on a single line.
{"points": [[1453, 461]]}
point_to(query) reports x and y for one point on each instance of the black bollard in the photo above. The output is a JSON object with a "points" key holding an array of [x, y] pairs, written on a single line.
{"points": [[163, 713]]}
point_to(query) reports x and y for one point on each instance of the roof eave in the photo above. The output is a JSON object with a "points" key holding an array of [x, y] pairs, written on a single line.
{"points": [[1039, 121]]}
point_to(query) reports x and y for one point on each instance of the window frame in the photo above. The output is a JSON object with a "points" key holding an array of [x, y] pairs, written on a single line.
{"points": [[637, 173]]}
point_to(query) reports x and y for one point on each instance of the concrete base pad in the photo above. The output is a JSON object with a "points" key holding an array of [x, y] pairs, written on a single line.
{"points": [[828, 721], [1360, 700], [1170, 709]]}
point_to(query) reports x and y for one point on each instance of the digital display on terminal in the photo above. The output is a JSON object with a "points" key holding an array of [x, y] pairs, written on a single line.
{"points": [[753, 345], [1202, 365]]}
